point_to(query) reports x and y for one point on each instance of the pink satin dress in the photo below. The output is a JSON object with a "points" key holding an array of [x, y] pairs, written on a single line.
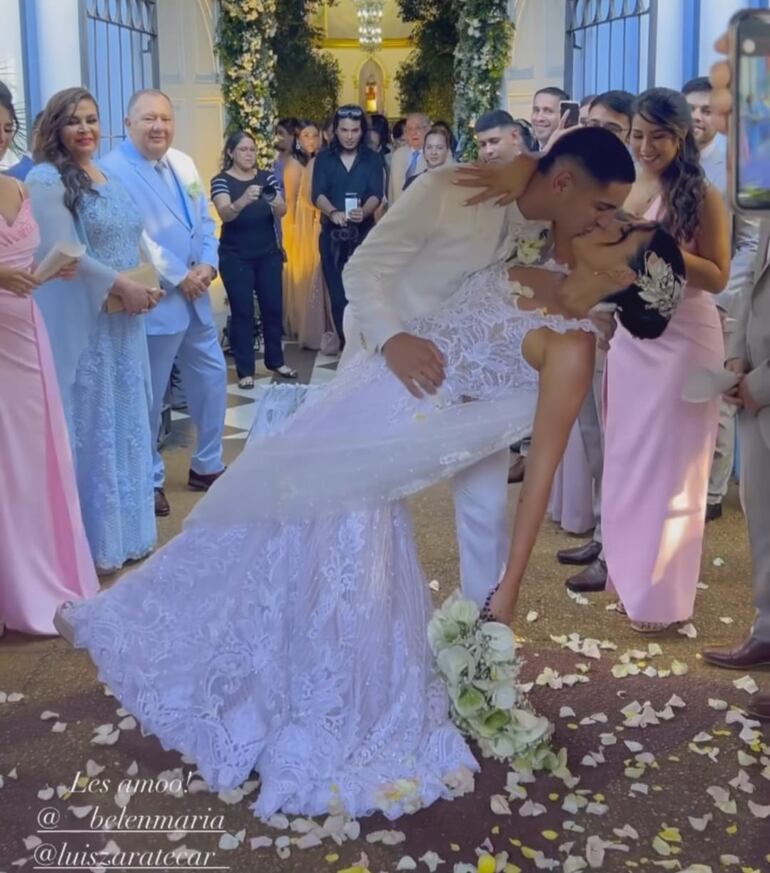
{"points": [[44, 555], [657, 457]]}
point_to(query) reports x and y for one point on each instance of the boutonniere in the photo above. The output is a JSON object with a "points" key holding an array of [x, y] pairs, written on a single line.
{"points": [[527, 245], [194, 190]]}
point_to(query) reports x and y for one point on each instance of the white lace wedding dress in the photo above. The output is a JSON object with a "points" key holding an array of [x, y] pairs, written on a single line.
{"points": [[284, 630]]}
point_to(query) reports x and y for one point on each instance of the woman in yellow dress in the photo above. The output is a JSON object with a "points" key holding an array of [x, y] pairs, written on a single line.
{"points": [[305, 292]]}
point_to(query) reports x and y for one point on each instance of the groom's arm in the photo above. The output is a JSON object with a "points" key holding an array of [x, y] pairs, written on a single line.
{"points": [[375, 266]]}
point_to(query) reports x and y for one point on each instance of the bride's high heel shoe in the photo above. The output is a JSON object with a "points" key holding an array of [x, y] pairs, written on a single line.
{"points": [[63, 624]]}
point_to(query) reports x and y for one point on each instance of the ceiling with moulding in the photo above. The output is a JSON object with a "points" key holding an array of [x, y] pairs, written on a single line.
{"points": [[340, 23]]}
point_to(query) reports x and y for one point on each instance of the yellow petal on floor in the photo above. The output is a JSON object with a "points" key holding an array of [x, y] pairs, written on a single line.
{"points": [[671, 835], [487, 864], [732, 829], [551, 835], [332, 859]]}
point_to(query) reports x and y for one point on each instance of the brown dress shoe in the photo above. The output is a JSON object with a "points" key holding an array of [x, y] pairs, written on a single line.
{"points": [[590, 580], [162, 507], [760, 707], [517, 469], [751, 653], [580, 556], [202, 481]]}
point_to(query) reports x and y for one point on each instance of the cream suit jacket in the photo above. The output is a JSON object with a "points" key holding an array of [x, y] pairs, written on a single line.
{"points": [[416, 258]]}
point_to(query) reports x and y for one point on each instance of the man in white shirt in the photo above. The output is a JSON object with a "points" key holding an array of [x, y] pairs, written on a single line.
{"points": [[408, 161], [416, 258], [713, 156]]}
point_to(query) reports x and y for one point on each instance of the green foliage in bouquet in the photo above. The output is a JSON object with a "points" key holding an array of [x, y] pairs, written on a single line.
{"points": [[480, 665]]}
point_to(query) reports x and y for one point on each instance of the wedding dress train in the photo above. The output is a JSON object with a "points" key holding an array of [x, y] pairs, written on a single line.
{"points": [[284, 630]]}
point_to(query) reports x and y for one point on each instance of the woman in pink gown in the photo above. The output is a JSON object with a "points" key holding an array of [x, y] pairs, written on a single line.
{"points": [[44, 555], [658, 448]]}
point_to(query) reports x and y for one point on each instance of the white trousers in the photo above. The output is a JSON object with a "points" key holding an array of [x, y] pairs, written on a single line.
{"points": [[483, 529]]}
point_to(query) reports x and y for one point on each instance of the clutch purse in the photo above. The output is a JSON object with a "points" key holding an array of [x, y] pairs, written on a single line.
{"points": [[145, 275]]}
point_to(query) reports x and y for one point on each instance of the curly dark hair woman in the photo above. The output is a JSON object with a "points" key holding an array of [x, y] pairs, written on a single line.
{"points": [[683, 183], [49, 144]]}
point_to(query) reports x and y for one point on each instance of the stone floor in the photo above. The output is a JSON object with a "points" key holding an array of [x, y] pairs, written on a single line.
{"points": [[646, 813]]}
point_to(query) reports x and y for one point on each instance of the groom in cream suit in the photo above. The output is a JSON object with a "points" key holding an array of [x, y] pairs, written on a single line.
{"points": [[415, 260], [749, 356], [179, 239]]}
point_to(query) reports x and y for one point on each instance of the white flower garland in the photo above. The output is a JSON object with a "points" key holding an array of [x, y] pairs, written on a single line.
{"points": [[246, 30], [485, 37]]}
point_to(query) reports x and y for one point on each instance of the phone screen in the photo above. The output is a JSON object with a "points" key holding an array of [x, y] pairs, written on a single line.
{"points": [[753, 112], [574, 111], [351, 202]]}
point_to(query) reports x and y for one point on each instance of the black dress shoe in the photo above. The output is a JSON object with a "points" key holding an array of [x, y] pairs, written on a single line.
{"points": [[760, 707], [162, 507], [751, 653], [202, 481], [713, 511], [590, 580], [580, 556]]}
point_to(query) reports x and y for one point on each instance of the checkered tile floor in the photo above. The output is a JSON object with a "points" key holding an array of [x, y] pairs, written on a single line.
{"points": [[313, 369]]}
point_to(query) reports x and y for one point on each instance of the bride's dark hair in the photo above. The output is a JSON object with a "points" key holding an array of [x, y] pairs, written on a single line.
{"points": [[683, 181], [636, 314]]}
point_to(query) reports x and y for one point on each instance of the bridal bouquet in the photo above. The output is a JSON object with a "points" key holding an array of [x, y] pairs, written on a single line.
{"points": [[479, 662]]}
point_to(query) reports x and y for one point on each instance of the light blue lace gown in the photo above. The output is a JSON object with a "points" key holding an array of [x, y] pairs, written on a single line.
{"points": [[108, 406]]}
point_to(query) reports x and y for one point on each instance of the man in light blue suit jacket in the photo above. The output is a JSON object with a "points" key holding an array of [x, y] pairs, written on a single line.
{"points": [[180, 242]]}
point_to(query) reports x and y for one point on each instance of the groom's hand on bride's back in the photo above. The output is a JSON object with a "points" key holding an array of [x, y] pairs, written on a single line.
{"points": [[417, 363]]}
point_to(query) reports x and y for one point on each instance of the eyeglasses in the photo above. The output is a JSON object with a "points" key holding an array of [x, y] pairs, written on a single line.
{"points": [[350, 112]]}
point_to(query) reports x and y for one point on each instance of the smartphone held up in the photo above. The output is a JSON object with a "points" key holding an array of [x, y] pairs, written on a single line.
{"points": [[572, 108], [750, 120]]}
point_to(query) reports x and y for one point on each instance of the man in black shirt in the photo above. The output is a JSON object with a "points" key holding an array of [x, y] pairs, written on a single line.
{"points": [[348, 181]]}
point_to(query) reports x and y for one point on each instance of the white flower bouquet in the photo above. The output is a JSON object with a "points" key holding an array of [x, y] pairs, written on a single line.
{"points": [[480, 664]]}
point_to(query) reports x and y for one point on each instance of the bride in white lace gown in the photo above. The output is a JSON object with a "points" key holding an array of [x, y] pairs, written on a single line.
{"points": [[284, 630]]}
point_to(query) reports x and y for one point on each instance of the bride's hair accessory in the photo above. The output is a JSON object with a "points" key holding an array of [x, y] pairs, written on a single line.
{"points": [[659, 287]]}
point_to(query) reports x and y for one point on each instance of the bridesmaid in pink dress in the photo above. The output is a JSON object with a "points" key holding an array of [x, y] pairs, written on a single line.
{"points": [[658, 448], [44, 555]]}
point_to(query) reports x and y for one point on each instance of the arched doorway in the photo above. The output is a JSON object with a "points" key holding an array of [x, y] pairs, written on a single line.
{"points": [[371, 86]]}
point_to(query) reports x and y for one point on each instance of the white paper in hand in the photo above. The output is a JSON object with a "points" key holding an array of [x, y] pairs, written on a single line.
{"points": [[705, 385], [57, 258]]}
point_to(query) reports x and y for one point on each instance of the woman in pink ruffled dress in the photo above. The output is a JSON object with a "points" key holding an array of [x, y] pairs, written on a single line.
{"points": [[658, 448], [44, 555]]}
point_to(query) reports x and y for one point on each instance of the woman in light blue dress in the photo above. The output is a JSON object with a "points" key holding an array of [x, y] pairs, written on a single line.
{"points": [[101, 357]]}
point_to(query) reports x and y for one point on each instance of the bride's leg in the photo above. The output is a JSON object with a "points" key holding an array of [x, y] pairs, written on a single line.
{"points": [[564, 381]]}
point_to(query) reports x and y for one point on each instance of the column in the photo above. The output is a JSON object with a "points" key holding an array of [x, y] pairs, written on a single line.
{"points": [[53, 47], [669, 40]]}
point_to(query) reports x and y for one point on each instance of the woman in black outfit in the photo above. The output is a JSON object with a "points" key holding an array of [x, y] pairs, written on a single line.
{"points": [[249, 202]]}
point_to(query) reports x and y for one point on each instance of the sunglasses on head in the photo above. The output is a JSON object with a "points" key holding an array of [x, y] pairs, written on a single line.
{"points": [[350, 112]]}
